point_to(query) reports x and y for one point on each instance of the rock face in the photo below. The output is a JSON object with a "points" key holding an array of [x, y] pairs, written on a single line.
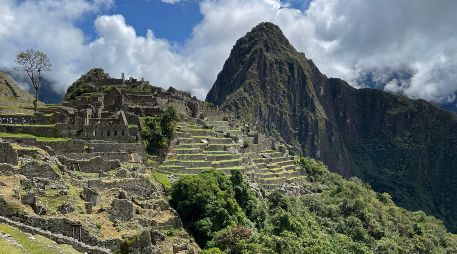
{"points": [[7, 154], [37, 168], [402, 146], [121, 210]]}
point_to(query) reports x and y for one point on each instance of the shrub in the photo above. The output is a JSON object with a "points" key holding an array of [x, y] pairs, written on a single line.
{"points": [[158, 131]]}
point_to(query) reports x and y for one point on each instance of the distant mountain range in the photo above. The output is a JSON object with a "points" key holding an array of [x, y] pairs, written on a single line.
{"points": [[47, 93], [398, 145]]}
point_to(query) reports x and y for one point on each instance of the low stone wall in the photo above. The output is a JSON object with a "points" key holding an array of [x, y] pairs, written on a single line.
{"points": [[26, 119], [36, 130], [95, 165], [125, 147], [59, 238], [120, 156], [59, 147], [137, 187], [64, 147], [38, 169], [61, 230]]}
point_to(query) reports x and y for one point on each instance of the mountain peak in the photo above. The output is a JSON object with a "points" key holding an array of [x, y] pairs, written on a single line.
{"points": [[267, 34]]}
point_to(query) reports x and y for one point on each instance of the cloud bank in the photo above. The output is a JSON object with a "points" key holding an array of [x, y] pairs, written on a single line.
{"points": [[409, 46]]}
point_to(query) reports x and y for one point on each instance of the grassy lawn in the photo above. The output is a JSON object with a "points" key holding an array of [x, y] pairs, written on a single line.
{"points": [[36, 244], [23, 135]]}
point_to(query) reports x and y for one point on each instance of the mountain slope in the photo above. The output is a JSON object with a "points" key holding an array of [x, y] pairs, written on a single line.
{"points": [[402, 146], [12, 98]]}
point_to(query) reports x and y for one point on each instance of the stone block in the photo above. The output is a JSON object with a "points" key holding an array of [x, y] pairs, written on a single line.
{"points": [[121, 210], [7, 154], [90, 195], [38, 169], [6, 169]]}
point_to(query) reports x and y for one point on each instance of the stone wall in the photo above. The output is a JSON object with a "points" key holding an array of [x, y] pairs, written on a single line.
{"points": [[38, 169], [108, 146], [118, 133], [26, 119], [136, 187], [94, 165], [36, 130], [59, 238], [120, 156]]}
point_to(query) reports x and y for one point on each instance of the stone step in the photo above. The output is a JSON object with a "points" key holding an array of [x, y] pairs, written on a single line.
{"points": [[201, 132], [220, 147], [227, 163], [210, 140], [191, 157], [181, 134], [188, 164], [272, 154], [173, 169], [191, 145], [275, 159], [282, 174], [214, 140], [188, 150], [296, 179], [222, 156], [227, 170]]}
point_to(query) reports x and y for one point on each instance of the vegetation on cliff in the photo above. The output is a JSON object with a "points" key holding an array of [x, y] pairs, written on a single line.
{"points": [[401, 146], [158, 131], [85, 84], [336, 216]]}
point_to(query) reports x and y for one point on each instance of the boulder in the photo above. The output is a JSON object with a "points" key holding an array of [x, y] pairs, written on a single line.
{"points": [[6, 169], [90, 195], [8, 154], [157, 236], [121, 210], [66, 208], [38, 169]]}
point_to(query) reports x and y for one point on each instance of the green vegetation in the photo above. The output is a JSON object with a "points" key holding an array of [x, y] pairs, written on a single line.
{"points": [[163, 179], [38, 138], [158, 131], [337, 216], [82, 85], [27, 244]]}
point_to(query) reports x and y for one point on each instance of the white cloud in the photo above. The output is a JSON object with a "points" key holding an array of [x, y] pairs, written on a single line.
{"points": [[171, 1], [346, 38]]}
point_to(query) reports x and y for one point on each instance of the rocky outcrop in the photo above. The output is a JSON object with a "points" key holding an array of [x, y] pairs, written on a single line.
{"points": [[398, 145], [121, 210], [40, 169], [7, 154]]}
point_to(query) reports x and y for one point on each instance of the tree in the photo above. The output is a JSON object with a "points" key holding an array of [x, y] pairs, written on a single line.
{"points": [[33, 62]]}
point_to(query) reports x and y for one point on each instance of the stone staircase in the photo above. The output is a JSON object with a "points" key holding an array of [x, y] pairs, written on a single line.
{"points": [[197, 148]]}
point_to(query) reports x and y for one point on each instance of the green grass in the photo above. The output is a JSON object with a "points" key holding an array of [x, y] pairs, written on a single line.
{"points": [[224, 161], [36, 245], [33, 125], [163, 179], [24, 135]]}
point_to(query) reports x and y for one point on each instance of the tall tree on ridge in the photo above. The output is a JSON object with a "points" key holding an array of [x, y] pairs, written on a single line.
{"points": [[33, 62]]}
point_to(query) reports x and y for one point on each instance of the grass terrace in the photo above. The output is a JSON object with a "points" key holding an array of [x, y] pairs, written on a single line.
{"points": [[38, 138], [19, 243]]}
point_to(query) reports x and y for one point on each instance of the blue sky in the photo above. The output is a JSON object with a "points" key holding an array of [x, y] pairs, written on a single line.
{"points": [[184, 43], [173, 22]]}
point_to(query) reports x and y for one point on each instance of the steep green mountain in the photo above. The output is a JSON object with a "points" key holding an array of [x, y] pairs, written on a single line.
{"points": [[402, 146]]}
